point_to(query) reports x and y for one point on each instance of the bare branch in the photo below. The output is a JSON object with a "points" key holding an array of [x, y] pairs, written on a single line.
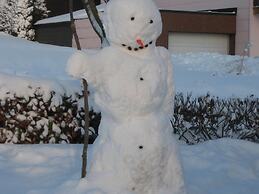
{"points": [[95, 20]]}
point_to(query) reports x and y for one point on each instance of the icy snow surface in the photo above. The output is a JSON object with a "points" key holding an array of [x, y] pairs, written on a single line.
{"points": [[222, 166]]}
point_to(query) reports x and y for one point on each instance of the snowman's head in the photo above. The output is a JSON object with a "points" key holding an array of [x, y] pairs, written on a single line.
{"points": [[133, 24]]}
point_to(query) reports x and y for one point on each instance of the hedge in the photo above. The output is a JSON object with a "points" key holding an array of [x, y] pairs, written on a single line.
{"points": [[34, 120], [206, 118]]}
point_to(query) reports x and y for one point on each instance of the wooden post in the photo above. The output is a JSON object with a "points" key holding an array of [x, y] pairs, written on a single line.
{"points": [[86, 135], [85, 88]]}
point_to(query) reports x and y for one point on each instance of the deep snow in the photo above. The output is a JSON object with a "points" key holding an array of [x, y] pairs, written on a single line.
{"points": [[201, 73], [198, 73], [222, 166], [29, 65]]}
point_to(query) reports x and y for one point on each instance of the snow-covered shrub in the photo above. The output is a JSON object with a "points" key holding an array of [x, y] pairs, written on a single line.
{"points": [[18, 16], [35, 120], [205, 118], [23, 26], [7, 13]]}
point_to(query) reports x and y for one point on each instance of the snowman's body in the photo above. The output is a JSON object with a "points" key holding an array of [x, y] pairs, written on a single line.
{"points": [[133, 88]]}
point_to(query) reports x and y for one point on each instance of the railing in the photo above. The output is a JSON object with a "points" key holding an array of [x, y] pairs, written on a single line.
{"points": [[256, 3]]}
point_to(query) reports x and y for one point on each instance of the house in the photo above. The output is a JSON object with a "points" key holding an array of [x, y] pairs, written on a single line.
{"points": [[223, 26], [247, 19], [59, 7]]}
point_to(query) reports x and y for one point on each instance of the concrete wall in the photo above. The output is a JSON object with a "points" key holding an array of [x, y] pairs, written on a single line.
{"points": [[88, 37]]}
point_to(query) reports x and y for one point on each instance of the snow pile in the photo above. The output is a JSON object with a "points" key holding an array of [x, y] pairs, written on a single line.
{"points": [[222, 166], [26, 87], [29, 66], [217, 63], [196, 73], [33, 60], [216, 74]]}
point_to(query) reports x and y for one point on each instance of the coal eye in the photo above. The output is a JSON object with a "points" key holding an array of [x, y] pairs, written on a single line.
{"points": [[151, 21], [132, 18]]}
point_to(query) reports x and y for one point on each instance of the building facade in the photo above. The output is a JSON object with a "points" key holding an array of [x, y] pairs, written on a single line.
{"points": [[223, 26], [247, 19]]}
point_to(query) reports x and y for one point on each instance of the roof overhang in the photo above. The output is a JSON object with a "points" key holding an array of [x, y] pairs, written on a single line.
{"points": [[80, 14]]}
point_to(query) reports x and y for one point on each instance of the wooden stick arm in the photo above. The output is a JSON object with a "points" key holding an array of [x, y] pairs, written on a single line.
{"points": [[86, 106]]}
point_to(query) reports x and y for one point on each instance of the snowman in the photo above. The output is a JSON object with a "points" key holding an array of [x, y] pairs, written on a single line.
{"points": [[131, 83]]}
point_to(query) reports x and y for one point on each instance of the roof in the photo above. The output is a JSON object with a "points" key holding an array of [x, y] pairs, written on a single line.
{"points": [[80, 14]]}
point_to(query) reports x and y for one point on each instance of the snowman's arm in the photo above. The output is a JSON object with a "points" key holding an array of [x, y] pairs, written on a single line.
{"points": [[168, 105], [82, 65]]}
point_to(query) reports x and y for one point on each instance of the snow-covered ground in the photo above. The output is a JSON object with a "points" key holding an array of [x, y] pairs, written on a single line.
{"points": [[222, 166], [216, 74], [29, 63]]}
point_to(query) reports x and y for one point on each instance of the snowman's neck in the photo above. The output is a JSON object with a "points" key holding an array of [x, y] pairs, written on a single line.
{"points": [[141, 52], [137, 49]]}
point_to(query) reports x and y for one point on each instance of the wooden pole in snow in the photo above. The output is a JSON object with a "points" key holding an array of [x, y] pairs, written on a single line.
{"points": [[86, 106]]}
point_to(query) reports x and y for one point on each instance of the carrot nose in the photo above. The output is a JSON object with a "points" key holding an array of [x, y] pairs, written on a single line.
{"points": [[140, 42]]}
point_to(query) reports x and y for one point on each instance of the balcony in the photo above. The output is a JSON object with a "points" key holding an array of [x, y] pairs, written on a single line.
{"points": [[256, 6]]}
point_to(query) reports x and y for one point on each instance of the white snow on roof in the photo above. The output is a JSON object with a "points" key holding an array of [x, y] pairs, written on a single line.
{"points": [[80, 14]]}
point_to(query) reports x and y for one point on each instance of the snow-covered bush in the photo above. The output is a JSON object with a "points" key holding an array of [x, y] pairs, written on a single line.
{"points": [[7, 13], [205, 118], [18, 16], [35, 120], [23, 26]]}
